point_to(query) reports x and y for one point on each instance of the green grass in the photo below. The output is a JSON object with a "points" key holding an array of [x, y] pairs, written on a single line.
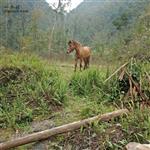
{"points": [[86, 82], [29, 87], [33, 89]]}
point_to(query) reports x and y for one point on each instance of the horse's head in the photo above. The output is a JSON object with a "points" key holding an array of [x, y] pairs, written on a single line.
{"points": [[71, 46]]}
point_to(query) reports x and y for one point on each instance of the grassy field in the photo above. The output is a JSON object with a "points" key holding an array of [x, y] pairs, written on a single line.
{"points": [[33, 90]]}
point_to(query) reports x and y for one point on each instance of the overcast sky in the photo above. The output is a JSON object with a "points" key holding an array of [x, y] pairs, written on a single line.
{"points": [[74, 3]]}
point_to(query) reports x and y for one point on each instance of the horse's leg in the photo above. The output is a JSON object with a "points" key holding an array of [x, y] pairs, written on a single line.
{"points": [[80, 64], [76, 62], [88, 62], [85, 63]]}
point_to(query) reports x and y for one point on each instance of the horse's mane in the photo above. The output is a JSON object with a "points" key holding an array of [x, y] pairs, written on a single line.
{"points": [[78, 43], [75, 42]]}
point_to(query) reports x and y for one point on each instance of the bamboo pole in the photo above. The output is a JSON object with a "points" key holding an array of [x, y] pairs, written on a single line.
{"points": [[116, 71], [58, 130]]}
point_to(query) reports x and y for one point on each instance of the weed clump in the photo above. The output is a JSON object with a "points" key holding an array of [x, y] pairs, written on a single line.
{"points": [[9, 73], [86, 83]]}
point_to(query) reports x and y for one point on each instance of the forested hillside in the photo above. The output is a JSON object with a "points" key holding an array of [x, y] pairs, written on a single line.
{"points": [[25, 24], [109, 27]]}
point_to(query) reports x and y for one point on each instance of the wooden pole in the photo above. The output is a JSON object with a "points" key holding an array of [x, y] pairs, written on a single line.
{"points": [[58, 130], [116, 71]]}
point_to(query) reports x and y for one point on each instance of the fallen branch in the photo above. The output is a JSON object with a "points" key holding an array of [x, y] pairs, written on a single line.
{"points": [[116, 71], [58, 130]]}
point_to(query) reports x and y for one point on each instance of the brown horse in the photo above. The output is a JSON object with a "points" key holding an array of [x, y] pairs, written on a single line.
{"points": [[83, 53]]}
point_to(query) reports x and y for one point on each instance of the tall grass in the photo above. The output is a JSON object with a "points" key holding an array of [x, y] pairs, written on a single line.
{"points": [[86, 82], [29, 87]]}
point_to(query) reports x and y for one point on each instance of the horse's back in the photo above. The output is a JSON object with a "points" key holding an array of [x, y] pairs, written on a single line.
{"points": [[86, 52]]}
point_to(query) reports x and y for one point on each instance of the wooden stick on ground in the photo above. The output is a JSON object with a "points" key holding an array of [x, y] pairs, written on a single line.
{"points": [[58, 130], [116, 71]]}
